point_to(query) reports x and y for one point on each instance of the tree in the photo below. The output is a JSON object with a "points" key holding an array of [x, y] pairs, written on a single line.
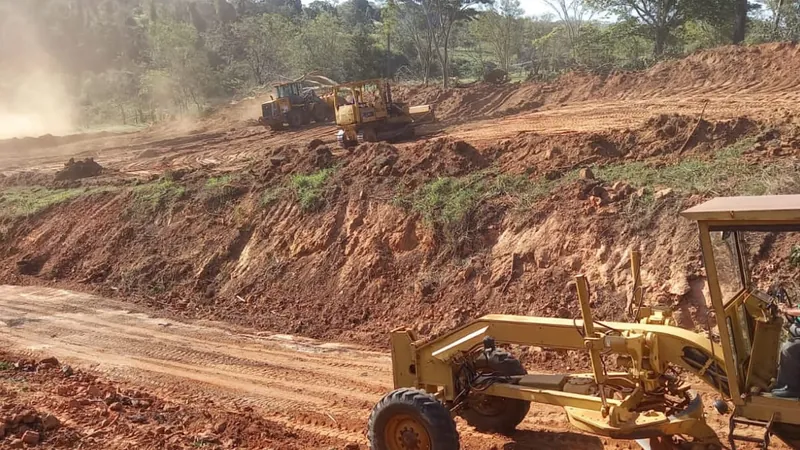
{"points": [[573, 14], [440, 17], [323, 46], [413, 24], [659, 19], [502, 28], [180, 72], [266, 43]]}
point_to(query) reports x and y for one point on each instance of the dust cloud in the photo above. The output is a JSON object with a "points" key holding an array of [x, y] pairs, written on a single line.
{"points": [[34, 99]]}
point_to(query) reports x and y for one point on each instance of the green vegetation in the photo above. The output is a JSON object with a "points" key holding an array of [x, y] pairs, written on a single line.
{"points": [[153, 196], [272, 195], [727, 173], [26, 201], [794, 256], [142, 61], [310, 189], [5, 365], [219, 182]]}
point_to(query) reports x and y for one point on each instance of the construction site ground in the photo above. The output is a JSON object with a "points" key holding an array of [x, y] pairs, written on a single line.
{"points": [[198, 302]]}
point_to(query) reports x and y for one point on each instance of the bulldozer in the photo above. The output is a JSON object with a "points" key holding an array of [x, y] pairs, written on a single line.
{"points": [[470, 372], [366, 112], [294, 104]]}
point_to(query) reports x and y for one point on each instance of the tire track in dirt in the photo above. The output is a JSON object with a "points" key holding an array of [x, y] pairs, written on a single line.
{"points": [[317, 388]]}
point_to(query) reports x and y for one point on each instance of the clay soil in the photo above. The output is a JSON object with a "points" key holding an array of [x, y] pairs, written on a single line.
{"points": [[209, 260]]}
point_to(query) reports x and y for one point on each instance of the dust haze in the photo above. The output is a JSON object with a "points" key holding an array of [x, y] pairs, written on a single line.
{"points": [[34, 99]]}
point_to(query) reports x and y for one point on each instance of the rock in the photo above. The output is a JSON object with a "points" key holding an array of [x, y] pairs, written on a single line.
{"points": [[553, 151], [663, 193], [352, 446], [468, 272], [16, 443], [586, 174], [116, 407], [220, 427], [67, 370], [277, 161], [30, 437], [138, 419], [50, 422], [49, 362], [314, 144], [94, 392], [563, 313], [27, 417]]}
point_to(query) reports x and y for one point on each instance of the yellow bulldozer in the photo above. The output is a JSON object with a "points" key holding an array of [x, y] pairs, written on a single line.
{"points": [[366, 112], [646, 398], [299, 102]]}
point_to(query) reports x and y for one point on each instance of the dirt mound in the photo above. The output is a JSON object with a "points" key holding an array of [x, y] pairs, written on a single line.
{"points": [[739, 70], [369, 259], [75, 170], [54, 406]]}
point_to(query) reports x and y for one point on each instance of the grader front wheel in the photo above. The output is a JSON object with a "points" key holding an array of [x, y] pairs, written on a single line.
{"points": [[496, 414], [410, 419]]}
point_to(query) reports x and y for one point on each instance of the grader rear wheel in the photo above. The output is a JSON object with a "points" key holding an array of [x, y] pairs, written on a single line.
{"points": [[497, 414], [410, 419]]}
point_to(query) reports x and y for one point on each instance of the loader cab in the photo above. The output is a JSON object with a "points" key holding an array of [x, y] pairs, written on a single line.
{"points": [[288, 90], [746, 244]]}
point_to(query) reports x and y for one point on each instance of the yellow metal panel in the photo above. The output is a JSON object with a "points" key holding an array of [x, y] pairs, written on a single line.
{"points": [[719, 310], [750, 208]]}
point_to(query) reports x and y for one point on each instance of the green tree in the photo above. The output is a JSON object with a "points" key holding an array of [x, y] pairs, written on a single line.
{"points": [[179, 70], [324, 46], [266, 41], [502, 28], [659, 19], [440, 16]]}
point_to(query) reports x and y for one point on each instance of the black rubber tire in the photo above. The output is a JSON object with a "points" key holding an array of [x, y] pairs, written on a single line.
{"points": [[428, 411], [321, 112], [295, 118], [510, 412]]}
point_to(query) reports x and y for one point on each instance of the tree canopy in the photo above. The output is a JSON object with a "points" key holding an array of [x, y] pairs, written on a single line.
{"points": [[138, 61]]}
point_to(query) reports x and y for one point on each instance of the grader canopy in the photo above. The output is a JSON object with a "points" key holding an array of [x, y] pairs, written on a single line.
{"points": [[647, 399]]}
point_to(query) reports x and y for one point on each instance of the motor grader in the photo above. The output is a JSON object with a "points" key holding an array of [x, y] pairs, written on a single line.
{"points": [[646, 398], [366, 112], [295, 105]]}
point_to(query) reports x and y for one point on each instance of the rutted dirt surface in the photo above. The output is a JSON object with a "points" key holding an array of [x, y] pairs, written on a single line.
{"points": [[318, 395], [248, 254]]}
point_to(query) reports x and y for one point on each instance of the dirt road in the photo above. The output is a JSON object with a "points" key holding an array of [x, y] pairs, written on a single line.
{"points": [[319, 388]]}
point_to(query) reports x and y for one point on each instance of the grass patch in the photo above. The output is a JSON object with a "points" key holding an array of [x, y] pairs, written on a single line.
{"points": [[156, 195], [5, 365], [23, 202], [794, 256], [310, 189], [727, 173], [272, 195], [216, 183]]}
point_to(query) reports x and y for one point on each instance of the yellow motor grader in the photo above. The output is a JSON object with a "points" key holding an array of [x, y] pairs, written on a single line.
{"points": [[366, 112], [466, 372]]}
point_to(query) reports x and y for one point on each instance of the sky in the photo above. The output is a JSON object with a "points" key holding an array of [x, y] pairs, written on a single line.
{"points": [[534, 7]]}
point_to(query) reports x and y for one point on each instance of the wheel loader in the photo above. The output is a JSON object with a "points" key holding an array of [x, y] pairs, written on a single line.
{"points": [[294, 105], [645, 396], [366, 112]]}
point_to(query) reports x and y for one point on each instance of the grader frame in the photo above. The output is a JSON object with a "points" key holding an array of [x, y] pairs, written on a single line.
{"points": [[648, 402]]}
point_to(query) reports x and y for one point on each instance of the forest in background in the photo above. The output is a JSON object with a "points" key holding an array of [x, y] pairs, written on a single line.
{"points": [[67, 64]]}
